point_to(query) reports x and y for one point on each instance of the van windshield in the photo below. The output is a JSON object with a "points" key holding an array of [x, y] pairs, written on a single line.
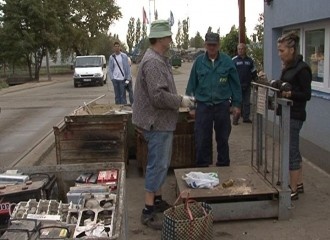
{"points": [[88, 62]]}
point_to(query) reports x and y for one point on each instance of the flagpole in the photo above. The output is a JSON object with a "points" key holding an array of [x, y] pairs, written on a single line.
{"points": [[149, 12], [155, 9], [150, 9]]}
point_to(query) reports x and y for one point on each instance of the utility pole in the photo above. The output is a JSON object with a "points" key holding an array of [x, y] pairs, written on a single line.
{"points": [[241, 28]]}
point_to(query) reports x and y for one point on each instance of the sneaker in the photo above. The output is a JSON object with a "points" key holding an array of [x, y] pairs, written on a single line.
{"points": [[247, 121], [161, 206], [294, 195], [300, 188], [152, 221]]}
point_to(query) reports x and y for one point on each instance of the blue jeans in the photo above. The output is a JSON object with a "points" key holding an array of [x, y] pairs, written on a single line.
{"points": [[120, 92], [207, 117], [295, 158], [159, 158], [246, 95]]}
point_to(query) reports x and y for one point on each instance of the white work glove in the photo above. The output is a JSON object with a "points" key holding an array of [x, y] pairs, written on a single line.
{"points": [[126, 82], [262, 77], [187, 101]]}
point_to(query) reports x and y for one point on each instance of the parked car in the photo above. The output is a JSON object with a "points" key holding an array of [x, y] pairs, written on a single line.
{"points": [[176, 60]]}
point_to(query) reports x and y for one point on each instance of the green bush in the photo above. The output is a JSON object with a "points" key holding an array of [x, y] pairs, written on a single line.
{"points": [[3, 84]]}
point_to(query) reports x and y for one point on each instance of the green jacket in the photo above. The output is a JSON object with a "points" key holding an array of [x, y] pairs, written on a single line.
{"points": [[213, 83]]}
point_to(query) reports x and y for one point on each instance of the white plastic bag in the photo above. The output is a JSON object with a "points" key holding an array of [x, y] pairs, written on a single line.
{"points": [[201, 180]]}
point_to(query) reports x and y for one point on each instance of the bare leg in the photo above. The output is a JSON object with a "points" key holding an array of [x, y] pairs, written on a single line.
{"points": [[150, 197], [300, 179], [294, 176]]}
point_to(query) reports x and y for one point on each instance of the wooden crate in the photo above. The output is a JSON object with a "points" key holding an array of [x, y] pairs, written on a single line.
{"points": [[183, 149], [92, 138], [94, 108]]}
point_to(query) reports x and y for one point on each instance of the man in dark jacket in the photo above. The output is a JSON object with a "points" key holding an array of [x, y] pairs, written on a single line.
{"points": [[247, 73]]}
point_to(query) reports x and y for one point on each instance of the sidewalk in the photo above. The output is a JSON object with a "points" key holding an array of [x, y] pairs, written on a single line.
{"points": [[309, 220], [43, 81]]}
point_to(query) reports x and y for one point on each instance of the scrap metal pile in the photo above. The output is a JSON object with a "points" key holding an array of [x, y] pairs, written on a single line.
{"points": [[88, 212]]}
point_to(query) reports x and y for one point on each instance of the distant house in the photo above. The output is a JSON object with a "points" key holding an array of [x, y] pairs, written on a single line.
{"points": [[311, 20]]}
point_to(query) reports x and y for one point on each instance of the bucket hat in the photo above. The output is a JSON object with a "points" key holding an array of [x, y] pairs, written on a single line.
{"points": [[160, 29]]}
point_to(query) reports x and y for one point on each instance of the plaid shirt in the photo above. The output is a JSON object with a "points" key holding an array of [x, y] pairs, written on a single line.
{"points": [[156, 102]]}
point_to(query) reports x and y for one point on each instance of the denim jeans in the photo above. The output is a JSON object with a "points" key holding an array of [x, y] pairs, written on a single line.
{"points": [[159, 158], [295, 158], [207, 117], [120, 92]]}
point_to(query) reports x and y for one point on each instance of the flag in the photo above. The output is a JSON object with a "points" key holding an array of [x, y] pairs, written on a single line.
{"points": [[156, 15], [171, 19], [145, 18]]}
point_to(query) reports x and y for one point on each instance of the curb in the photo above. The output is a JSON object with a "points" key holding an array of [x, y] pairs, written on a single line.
{"points": [[35, 155]]}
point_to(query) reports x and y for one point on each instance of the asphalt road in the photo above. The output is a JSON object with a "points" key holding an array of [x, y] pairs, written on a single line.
{"points": [[29, 112]]}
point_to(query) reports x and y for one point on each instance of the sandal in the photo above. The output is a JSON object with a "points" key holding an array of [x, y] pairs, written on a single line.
{"points": [[294, 195], [300, 188]]}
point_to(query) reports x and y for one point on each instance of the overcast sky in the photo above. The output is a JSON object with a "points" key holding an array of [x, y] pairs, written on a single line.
{"points": [[221, 14]]}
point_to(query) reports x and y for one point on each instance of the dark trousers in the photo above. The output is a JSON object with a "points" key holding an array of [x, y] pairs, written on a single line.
{"points": [[129, 89], [246, 95], [207, 118]]}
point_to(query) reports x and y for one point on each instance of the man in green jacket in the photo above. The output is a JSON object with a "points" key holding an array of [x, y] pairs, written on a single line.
{"points": [[215, 84]]}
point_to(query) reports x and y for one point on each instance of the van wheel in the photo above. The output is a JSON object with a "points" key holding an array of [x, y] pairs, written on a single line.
{"points": [[105, 79], [75, 85], [101, 83]]}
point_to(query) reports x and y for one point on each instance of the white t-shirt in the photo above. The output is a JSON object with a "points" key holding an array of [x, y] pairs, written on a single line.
{"points": [[116, 71]]}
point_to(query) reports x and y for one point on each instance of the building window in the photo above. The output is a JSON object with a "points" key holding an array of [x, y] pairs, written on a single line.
{"points": [[314, 53]]}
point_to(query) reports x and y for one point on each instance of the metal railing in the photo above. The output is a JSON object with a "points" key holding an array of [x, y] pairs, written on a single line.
{"points": [[270, 141]]}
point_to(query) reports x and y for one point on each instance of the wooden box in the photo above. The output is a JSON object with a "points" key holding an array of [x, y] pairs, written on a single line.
{"points": [[183, 149], [92, 138]]}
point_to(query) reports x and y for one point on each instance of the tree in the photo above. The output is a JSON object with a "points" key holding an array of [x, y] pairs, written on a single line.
{"points": [[259, 28], [209, 29], [144, 31], [33, 27], [130, 37], [30, 28], [185, 34], [103, 44], [256, 47], [87, 19], [197, 41], [138, 31], [178, 37], [230, 41]]}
